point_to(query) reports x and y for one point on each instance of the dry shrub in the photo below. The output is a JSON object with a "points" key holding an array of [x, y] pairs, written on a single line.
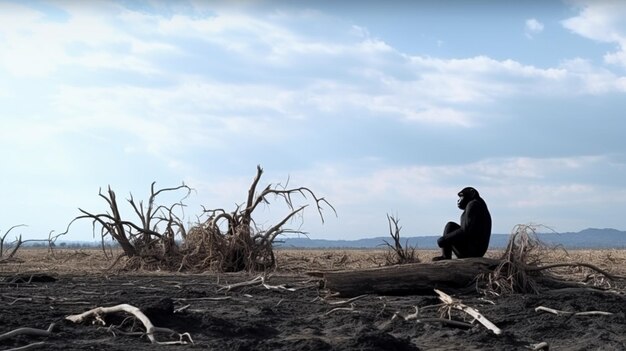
{"points": [[511, 276], [397, 253]]}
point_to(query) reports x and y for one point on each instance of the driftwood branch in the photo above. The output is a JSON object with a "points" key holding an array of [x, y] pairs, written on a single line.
{"points": [[256, 281], [448, 300], [28, 347], [136, 312], [567, 313], [28, 331]]}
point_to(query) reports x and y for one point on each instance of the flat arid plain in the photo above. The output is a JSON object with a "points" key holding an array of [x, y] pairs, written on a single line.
{"points": [[289, 309]]}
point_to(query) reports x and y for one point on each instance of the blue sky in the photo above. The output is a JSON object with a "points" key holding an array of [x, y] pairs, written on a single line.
{"points": [[380, 107]]}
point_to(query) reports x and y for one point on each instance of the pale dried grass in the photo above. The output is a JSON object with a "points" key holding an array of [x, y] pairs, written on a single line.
{"points": [[93, 261]]}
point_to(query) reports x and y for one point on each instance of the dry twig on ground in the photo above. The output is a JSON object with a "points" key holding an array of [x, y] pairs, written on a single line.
{"points": [[260, 280], [31, 332], [28, 331], [559, 312]]}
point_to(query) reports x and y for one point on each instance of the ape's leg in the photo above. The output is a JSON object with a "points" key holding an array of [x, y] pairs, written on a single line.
{"points": [[446, 250], [450, 227]]}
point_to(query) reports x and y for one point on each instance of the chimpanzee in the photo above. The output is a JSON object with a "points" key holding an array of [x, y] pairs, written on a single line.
{"points": [[471, 238]]}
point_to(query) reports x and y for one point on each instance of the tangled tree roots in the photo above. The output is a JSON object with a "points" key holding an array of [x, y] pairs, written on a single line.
{"points": [[151, 244], [511, 275], [231, 241], [211, 249], [225, 241], [521, 269]]}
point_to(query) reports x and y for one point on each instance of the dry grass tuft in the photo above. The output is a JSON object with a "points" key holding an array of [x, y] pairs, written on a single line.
{"points": [[523, 249]]}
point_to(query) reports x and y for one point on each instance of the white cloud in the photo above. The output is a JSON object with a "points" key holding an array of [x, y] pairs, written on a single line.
{"points": [[485, 80], [425, 184], [36, 46], [173, 120], [585, 78], [376, 77], [603, 21], [533, 27]]}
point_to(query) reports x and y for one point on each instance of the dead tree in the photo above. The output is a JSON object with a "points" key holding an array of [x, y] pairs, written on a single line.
{"points": [[6, 255], [233, 242], [18, 242], [153, 238]]}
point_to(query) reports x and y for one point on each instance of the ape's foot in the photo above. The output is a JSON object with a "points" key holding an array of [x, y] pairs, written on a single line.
{"points": [[440, 258]]}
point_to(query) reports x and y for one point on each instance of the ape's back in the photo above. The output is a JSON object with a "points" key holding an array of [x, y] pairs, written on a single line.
{"points": [[476, 223]]}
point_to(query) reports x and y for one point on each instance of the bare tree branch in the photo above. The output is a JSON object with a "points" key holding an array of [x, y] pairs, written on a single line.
{"points": [[5, 235]]}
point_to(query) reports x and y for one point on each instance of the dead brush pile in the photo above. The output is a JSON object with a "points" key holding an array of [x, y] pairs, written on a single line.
{"points": [[511, 275], [523, 268], [239, 249], [224, 241]]}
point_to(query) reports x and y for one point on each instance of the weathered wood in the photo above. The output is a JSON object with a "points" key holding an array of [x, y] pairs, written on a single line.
{"points": [[409, 279]]}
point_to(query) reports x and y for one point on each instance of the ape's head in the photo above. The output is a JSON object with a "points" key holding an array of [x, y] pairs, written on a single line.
{"points": [[465, 196]]}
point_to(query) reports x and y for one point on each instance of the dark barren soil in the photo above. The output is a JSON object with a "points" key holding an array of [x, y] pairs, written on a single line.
{"points": [[257, 318]]}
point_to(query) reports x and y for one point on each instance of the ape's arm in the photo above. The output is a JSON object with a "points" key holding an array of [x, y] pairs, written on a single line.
{"points": [[467, 224]]}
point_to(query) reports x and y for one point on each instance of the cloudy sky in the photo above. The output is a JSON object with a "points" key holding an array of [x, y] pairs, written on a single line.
{"points": [[380, 107]]}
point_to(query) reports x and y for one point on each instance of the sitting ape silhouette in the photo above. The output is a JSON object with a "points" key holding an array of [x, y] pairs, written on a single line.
{"points": [[471, 237]]}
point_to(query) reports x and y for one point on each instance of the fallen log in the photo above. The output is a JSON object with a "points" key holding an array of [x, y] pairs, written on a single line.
{"points": [[409, 279]]}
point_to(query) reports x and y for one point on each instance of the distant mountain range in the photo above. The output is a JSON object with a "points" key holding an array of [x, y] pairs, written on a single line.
{"points": [[589, 238]]}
